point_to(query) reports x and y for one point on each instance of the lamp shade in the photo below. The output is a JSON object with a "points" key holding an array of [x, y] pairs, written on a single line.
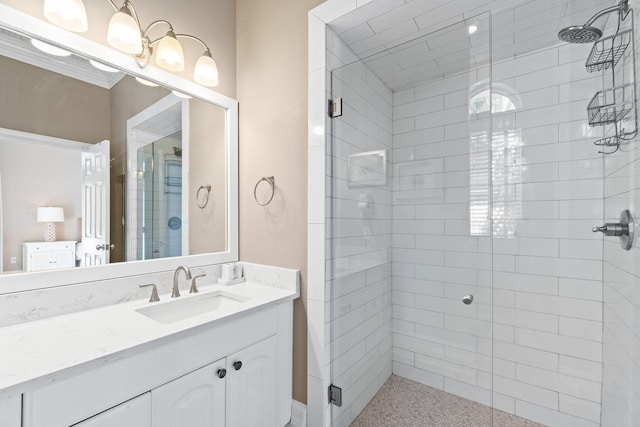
{"points": [[169, 54], [206, 71], [50, 214], [68, 14], [124, 32]]}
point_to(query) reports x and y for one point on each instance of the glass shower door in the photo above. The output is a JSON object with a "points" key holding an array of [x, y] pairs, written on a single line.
{"points": [[409, 259], [160, 198]]}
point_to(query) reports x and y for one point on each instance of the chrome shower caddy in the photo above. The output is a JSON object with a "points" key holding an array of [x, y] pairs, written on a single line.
{"points": [[612, 105]]}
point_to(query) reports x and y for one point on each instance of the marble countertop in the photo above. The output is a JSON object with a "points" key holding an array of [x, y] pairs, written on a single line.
{"points": [[40, 352]]}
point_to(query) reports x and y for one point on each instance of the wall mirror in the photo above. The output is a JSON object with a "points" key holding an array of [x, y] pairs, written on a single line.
{"points": [[104, 164]]}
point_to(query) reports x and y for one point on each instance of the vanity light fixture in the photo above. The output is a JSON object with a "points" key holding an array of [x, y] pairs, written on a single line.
{"points": [[69, 14], [49, 48], [125, 34], [102, 67], [49, 215]]}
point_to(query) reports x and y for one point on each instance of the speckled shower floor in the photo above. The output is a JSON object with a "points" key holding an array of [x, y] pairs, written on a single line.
{"points": [[405, 403]]}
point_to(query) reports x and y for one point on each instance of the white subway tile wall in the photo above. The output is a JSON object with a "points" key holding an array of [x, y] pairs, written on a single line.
{"points": [[546, 268], [359, 226], [621, 356]]}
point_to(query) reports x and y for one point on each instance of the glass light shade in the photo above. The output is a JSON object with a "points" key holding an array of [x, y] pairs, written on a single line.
{"points": [[68, 14], [206, 71], [49, 48], [146, 82], [169, 54], [102, 67], [124, 33], [50, 214]]}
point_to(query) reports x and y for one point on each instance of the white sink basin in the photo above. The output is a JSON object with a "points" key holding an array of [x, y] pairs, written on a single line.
{"points": [[193, 305]]}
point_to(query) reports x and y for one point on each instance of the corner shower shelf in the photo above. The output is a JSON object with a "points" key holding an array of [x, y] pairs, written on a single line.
{"points": [[608, 51], [609, 106]]}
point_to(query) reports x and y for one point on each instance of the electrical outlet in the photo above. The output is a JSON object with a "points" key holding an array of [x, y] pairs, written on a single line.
{"points": [[14, 260]]}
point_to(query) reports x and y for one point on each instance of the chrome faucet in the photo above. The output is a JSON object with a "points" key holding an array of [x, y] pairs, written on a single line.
{"points": [[176, 275]]}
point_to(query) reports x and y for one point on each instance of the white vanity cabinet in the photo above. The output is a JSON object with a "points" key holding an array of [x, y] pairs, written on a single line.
{"points": [[10, 409], [39, 256], [194, 400], [136, 412], [235, 373]]}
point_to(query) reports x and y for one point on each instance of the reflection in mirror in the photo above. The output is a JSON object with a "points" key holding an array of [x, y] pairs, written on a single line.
{"points": [[123, 159]]}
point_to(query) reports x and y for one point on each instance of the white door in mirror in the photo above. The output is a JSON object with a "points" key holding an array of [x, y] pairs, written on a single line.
{"points": [[95, 205]]}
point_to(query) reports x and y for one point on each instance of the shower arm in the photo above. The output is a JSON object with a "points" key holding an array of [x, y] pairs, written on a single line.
{"points": [[622, 7]]}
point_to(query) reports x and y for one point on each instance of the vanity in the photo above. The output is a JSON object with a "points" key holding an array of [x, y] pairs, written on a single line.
{"points": [[150, 188], [220, 357]]}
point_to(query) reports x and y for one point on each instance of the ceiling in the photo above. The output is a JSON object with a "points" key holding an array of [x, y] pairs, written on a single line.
{"points": [[407, 42], [17, 46]]}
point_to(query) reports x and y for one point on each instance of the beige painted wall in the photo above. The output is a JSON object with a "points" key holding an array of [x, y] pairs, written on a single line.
{"points": [[272, 92], [39, 101], [211, 20], [46, 176], [207, 160], [128, 98]]}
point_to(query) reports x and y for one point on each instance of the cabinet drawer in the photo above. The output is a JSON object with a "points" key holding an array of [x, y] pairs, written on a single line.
{"points": [[135, 413], [10, 412]]}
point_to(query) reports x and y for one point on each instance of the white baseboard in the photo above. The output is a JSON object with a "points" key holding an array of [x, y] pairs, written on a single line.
{"points": [[298, 414]]}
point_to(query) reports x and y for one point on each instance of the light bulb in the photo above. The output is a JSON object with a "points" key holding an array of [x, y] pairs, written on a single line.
{"points": [[472, 28], [68, 14], [206, 71], [169, 53], [124, 32]]}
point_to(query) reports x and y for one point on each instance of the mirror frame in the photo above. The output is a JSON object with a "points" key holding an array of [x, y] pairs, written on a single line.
{"points": [[19, 282]]}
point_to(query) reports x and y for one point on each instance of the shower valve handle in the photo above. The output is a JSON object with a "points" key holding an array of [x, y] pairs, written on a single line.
{"points": [[612, 229]]}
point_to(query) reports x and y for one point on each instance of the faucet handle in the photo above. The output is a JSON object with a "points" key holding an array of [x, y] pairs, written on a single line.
{"points": [[194, 288], [154, 292]]}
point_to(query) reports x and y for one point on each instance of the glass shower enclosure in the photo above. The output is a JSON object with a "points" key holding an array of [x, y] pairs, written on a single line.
{"points": [[467, 286]]}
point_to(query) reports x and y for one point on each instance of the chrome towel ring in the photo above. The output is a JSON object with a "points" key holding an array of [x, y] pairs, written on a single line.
{"points": [[269, 180], [202, 203]]}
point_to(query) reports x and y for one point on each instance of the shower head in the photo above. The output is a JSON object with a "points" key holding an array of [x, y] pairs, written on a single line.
{"points": [[580, 34], [588, 33]]}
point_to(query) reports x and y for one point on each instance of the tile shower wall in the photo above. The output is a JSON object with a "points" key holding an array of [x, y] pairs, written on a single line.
{"points": [[546, 268], [359, 223], [621, 390]]}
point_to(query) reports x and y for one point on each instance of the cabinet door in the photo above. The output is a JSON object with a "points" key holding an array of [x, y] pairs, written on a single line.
{"points": [[64, 259], [10, 412], [134, 413], [194, 400], [251, 387], [42, 260]]}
